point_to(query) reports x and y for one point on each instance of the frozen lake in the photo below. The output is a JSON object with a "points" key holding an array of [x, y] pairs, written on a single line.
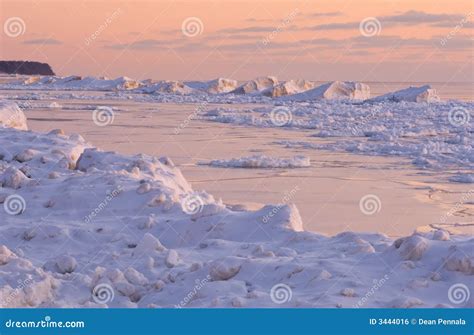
{"points": [[327, 193]]}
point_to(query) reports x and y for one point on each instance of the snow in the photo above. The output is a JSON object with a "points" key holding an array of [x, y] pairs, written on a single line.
{"points": [[422, 133], [256, 85], [169, 87], [411, 94], [254, 90], [78, 83], [12, 116], [288, 87], [466, 178], [334, 90], [262, 162], [219, 85], [76, 219], [103, 243]]}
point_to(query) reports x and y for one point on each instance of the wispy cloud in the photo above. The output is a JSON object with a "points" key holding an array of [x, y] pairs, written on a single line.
{"points": [[252, 29], [44, 41], [409, 18], [147, 44], [337, 26], [413, 17], [469, 24], [325, 14], [354, 44]]}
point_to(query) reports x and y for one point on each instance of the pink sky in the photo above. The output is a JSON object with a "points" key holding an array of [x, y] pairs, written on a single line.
{"points": [[422, 40]]}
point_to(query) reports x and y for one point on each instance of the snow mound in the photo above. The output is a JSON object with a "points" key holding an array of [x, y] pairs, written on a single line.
{"points": [[12, 116], [262, 162], [168, 87], [288, 87], [334, 90], [215, 86], [256, 85], [411, 94], [150, 170]]}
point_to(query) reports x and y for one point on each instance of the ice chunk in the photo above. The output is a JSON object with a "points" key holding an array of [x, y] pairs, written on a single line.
{"points": [[225, 269], [12, 116], [288, 87], [256, 85], [334, 90], [411, 94]]}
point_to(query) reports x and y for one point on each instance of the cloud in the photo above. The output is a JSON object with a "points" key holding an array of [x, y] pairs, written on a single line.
{"points": [[461, 24], [254, 20], [252, 29], [414, 17], [43, 41], [337, 26], [147, 44], [233, 37], [410, 18], [325, 14]]}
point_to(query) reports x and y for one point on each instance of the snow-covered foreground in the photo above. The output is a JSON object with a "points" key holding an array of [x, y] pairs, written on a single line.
{"points": [[82, 227]]}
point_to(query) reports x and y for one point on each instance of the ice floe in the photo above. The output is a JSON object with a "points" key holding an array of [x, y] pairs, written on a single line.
{"points": [[262, 162]]}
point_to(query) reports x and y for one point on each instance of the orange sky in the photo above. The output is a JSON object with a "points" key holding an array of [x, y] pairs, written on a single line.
{"points": [[422, 40]]}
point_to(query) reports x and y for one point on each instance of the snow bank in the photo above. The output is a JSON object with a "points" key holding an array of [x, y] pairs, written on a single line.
{"points": [[262, 162], [219, 85], [256, 85], [411, 94], [334, 90], [12, 116], [129, 231]]}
